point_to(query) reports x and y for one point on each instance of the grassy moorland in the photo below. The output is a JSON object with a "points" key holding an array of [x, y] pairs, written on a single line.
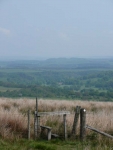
{"points": [[13, 124]]}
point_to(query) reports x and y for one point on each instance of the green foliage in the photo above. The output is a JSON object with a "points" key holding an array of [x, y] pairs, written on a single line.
{"points": [[42, 146], [58, 78], [90, 144]]}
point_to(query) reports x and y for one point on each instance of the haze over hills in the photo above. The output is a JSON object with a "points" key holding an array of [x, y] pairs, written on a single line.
{"points": [[60, 63]]}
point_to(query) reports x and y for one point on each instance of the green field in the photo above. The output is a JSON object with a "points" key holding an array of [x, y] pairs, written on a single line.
{"points": [[58, 78], [24, 144]]}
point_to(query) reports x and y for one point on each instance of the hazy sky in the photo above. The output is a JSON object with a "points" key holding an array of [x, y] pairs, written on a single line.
{"points": [[31, 29]]}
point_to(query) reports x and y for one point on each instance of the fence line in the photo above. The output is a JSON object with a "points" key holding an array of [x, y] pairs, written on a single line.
{"points": [[78, 112]]}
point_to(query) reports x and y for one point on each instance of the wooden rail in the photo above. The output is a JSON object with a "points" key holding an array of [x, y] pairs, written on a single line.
{"points": [[100, 132], [54, 113], [48, 131]]}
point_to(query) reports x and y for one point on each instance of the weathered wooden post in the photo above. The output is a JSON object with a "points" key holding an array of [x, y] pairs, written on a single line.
{"points": [[35, 125], [38, 126], [36, 122], [76, 118], [82, 124], [36, 104], [29, 124], [65, 126], [49, 134]]}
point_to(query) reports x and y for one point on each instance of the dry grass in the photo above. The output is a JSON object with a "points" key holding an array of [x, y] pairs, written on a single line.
{"points": [[13, 115]]}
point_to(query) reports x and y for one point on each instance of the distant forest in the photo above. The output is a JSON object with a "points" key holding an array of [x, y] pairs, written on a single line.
{"points": [[61, 78]]}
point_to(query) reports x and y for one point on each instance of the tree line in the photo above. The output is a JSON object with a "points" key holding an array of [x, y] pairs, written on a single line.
{"points": [[56, 83]]}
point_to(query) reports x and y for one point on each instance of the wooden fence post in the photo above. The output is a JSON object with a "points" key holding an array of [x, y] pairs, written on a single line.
{"points": [[35, 125], [36, 104], [38, 126], [36, 120], [76, 118], [65, 128], [82, 124], [29, 124]]}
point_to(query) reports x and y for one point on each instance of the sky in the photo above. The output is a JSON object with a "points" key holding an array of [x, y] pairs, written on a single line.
{"points": [[39, 29]]}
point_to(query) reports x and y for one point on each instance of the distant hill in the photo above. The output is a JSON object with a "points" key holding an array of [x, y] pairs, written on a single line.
{"points": [[60, 63]]}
